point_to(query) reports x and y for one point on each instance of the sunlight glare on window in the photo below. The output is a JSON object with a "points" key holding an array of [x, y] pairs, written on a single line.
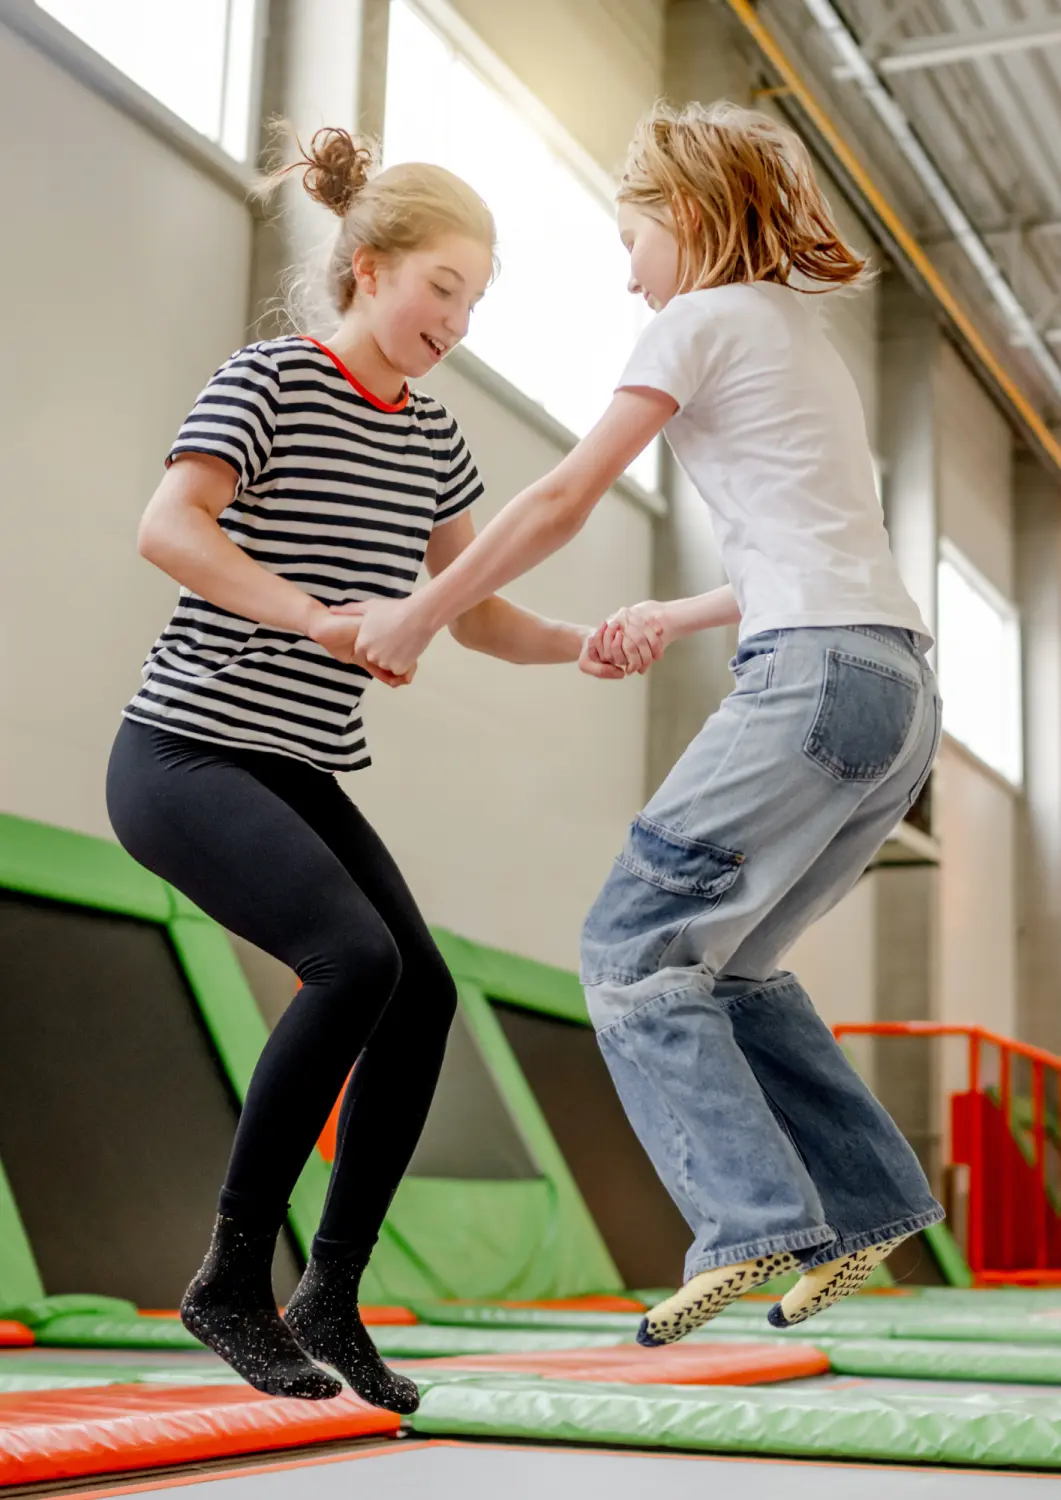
{"points": [[559, 323], [979, 666]]}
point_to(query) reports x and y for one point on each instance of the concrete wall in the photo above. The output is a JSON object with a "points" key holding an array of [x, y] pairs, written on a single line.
{"points": [[125, 271]]}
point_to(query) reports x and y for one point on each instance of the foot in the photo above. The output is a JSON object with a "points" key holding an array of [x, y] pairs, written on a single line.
{"points": [[824, 1285], [230, 1308], [324, 1318], [702, 1298]]}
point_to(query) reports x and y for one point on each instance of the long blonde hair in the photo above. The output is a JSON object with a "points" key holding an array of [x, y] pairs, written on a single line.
{"points": [[402, 208], [741, 197]]}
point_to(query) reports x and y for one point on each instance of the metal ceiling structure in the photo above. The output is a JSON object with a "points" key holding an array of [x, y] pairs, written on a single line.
{"points": [[953, 109]]}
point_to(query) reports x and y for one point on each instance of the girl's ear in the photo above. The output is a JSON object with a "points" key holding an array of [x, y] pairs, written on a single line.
{"points": [[365, 268]]}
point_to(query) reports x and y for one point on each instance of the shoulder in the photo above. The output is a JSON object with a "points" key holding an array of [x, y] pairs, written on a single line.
{"points": [[433, 418]]}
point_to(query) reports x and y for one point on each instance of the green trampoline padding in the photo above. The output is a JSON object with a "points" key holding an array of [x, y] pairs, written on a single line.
{"points": [[487, 1315], [86, 1331], [936, 1359], [897, 1318], [423, 1342], [971, 1430]]}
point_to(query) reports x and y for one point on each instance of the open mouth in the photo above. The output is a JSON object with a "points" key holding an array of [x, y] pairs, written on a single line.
{"points": [[437, 349]]}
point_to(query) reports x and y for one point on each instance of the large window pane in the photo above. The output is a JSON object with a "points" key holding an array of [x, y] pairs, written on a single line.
{"points": [[195, 56], [979, 665], [559, 323]]}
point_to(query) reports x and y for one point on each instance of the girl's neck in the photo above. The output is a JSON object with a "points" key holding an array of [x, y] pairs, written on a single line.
{"points": [[354, 344]]}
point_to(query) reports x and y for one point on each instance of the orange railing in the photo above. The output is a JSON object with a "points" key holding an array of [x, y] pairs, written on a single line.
{"points": [[1014, 1233]]}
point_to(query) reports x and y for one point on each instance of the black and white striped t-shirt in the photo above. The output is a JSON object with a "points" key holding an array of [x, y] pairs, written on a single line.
{"points": [[336, 491]]}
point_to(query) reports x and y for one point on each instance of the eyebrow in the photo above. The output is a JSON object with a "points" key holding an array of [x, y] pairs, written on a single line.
{"points": [[452, 272]]}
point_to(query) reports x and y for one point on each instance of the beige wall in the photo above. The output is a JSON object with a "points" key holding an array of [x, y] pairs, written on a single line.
{"points": [[124, 271], [978, 919], [505, 791], [975, 472], [596, 64]]}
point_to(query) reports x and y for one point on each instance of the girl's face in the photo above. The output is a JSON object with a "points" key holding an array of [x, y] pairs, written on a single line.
{"points": [[418, 305], [653, 255]]}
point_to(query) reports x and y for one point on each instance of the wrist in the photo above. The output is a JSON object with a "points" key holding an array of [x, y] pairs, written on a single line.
{"points": [[312, 614]]}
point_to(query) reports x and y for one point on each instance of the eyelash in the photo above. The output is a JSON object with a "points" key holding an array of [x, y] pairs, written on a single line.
{"points": [[442, 290]]}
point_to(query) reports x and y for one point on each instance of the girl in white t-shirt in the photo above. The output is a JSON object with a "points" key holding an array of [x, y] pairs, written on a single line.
{"points": [[776, 1153]]}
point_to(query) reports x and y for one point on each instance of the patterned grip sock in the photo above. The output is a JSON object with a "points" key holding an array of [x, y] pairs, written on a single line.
{"points": [[702, 1298], [323, 1315], [824, 1285], [230, 1308]]}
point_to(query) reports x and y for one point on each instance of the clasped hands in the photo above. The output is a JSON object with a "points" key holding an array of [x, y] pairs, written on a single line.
{"points": [[386, 638]]}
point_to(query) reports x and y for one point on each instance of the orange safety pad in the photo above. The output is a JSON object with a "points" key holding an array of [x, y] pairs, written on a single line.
{"points": [[389, 1317], [673, 1364], [48, 1435], [15, 1335]]}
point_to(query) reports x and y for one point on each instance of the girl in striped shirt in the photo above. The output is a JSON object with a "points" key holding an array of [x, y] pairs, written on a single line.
{"points": [[309, 478]]}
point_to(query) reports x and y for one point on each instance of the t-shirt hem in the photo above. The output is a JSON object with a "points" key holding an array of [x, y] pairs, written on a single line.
{"points": [[176, 726], [755, 624]]}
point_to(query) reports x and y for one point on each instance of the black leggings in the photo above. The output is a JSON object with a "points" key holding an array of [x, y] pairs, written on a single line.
{"points": [[276, 852]]}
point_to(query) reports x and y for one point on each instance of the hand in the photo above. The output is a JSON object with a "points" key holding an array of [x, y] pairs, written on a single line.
{"points": [[389, 637], [635, 637], [590, 660], [339, 635]]}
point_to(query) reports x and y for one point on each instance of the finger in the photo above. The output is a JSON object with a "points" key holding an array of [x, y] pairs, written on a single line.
{"points": [[603, 670], [357, 608]]}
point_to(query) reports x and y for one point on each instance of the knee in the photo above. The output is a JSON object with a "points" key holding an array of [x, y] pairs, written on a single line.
{"points": [[357, 958], [431, 987]]}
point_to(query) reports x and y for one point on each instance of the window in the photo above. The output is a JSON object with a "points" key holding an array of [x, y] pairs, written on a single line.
{"points": [[559, 323], [197, 57], [979, 665]]}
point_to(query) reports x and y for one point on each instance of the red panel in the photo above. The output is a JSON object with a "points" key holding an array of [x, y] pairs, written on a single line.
{"points": [[15, 1335], [391, 1317], [59, 1434], [673, 1364]]}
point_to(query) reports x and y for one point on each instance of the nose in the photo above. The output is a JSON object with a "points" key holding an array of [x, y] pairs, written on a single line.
{"points": [[634, 286], [456, 322]]}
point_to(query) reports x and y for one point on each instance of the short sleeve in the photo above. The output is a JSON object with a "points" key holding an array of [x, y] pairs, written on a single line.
{"points": [[235, 416], [676, 352], [459, 483]]}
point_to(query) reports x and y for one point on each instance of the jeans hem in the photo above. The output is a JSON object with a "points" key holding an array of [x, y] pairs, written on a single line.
{"points": [[848, 1244], [776, 1244]]}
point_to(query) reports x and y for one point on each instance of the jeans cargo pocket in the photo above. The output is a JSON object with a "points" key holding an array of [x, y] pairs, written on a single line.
{"points": [[659, 883], [863, 719]]}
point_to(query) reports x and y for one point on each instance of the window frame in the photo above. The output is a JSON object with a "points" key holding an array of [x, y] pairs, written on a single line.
{"points": [[949, 553], [27, 20]]}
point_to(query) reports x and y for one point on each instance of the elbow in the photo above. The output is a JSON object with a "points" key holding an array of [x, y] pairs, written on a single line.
{"points": [[471, 628], [151, 542], [566, 511]]}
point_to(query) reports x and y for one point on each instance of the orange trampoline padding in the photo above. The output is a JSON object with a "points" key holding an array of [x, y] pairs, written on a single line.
{"points": [[15, 1335], [47, 1435], [387, 1317], [673, 1364]]}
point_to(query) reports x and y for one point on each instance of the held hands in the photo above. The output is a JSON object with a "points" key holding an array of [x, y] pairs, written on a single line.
{"points": [[339, 631], [630, 641]]}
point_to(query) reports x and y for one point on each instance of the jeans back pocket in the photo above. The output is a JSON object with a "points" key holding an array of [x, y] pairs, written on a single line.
{"points": [[864, 716]]}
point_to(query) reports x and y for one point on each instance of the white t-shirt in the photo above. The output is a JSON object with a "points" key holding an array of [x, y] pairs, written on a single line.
{"points": [[770, 430]]}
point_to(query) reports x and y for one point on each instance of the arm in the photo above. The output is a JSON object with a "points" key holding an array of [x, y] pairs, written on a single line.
{"points": [[640, 633], [494, 626], [537, 523], [180, 534]]}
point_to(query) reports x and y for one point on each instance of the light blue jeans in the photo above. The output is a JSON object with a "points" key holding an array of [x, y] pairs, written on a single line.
{"points": [[764, 1135]]}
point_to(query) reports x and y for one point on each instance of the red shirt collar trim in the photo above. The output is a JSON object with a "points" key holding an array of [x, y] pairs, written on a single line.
{"points": [[358, 387]]}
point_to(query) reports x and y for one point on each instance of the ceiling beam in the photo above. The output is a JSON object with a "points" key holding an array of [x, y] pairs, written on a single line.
{"points": [[945, 47]]}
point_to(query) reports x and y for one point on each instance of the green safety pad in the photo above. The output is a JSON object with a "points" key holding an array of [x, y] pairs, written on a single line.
{"points": [[971, 1430], [35, 1374], [45, 1309], [89, 1331], [897, 1318], [937, 1359], [491, 1315], [420, 1341]]}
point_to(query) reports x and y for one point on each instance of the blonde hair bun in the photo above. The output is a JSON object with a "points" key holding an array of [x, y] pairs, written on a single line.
{"points": [[335, 168]]}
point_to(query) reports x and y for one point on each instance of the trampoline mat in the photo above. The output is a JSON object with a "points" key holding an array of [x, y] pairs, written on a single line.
{"points": [[457, 1471]]}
